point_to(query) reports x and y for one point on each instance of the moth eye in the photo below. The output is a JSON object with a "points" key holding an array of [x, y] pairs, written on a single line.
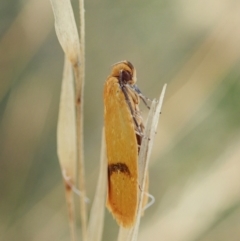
{"points": [[126, 76]]}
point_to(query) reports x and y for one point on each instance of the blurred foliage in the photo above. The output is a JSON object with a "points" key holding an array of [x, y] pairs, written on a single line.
{"points": [[193, 46]]}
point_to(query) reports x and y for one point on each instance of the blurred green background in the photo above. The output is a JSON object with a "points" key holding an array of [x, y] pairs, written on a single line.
{"points": [[193, 46]]}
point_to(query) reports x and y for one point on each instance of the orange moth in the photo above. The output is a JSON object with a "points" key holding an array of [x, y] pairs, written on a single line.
{"points": [[123, 133]]}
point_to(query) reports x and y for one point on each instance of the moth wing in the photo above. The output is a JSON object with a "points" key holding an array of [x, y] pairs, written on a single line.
{"points": [[122, 155]]}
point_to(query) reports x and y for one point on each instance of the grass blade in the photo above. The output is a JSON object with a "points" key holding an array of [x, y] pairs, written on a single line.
{"points": [[96, 220], [66, 139], [67, 33], [66, 29], [144, 156]]}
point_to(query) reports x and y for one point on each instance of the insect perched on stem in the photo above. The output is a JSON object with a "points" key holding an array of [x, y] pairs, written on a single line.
{"points": [[123, 132]]}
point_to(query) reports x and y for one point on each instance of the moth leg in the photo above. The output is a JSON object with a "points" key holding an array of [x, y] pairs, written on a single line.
{"points": [[143, 98]]}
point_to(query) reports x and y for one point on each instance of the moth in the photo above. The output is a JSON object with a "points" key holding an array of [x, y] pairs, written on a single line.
{"points": [[123, 133]]}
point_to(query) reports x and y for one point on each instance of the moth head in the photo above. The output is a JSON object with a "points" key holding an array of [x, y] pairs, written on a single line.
{"points": [[126, 70]]}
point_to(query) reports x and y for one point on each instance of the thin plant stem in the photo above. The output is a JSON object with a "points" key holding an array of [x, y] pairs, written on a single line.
{"points": [[79, 116], [80, 153], [82, 38], [70, 205]]}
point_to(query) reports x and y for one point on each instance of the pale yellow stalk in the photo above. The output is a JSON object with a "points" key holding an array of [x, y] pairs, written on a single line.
{"points": [[144, 156]]}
